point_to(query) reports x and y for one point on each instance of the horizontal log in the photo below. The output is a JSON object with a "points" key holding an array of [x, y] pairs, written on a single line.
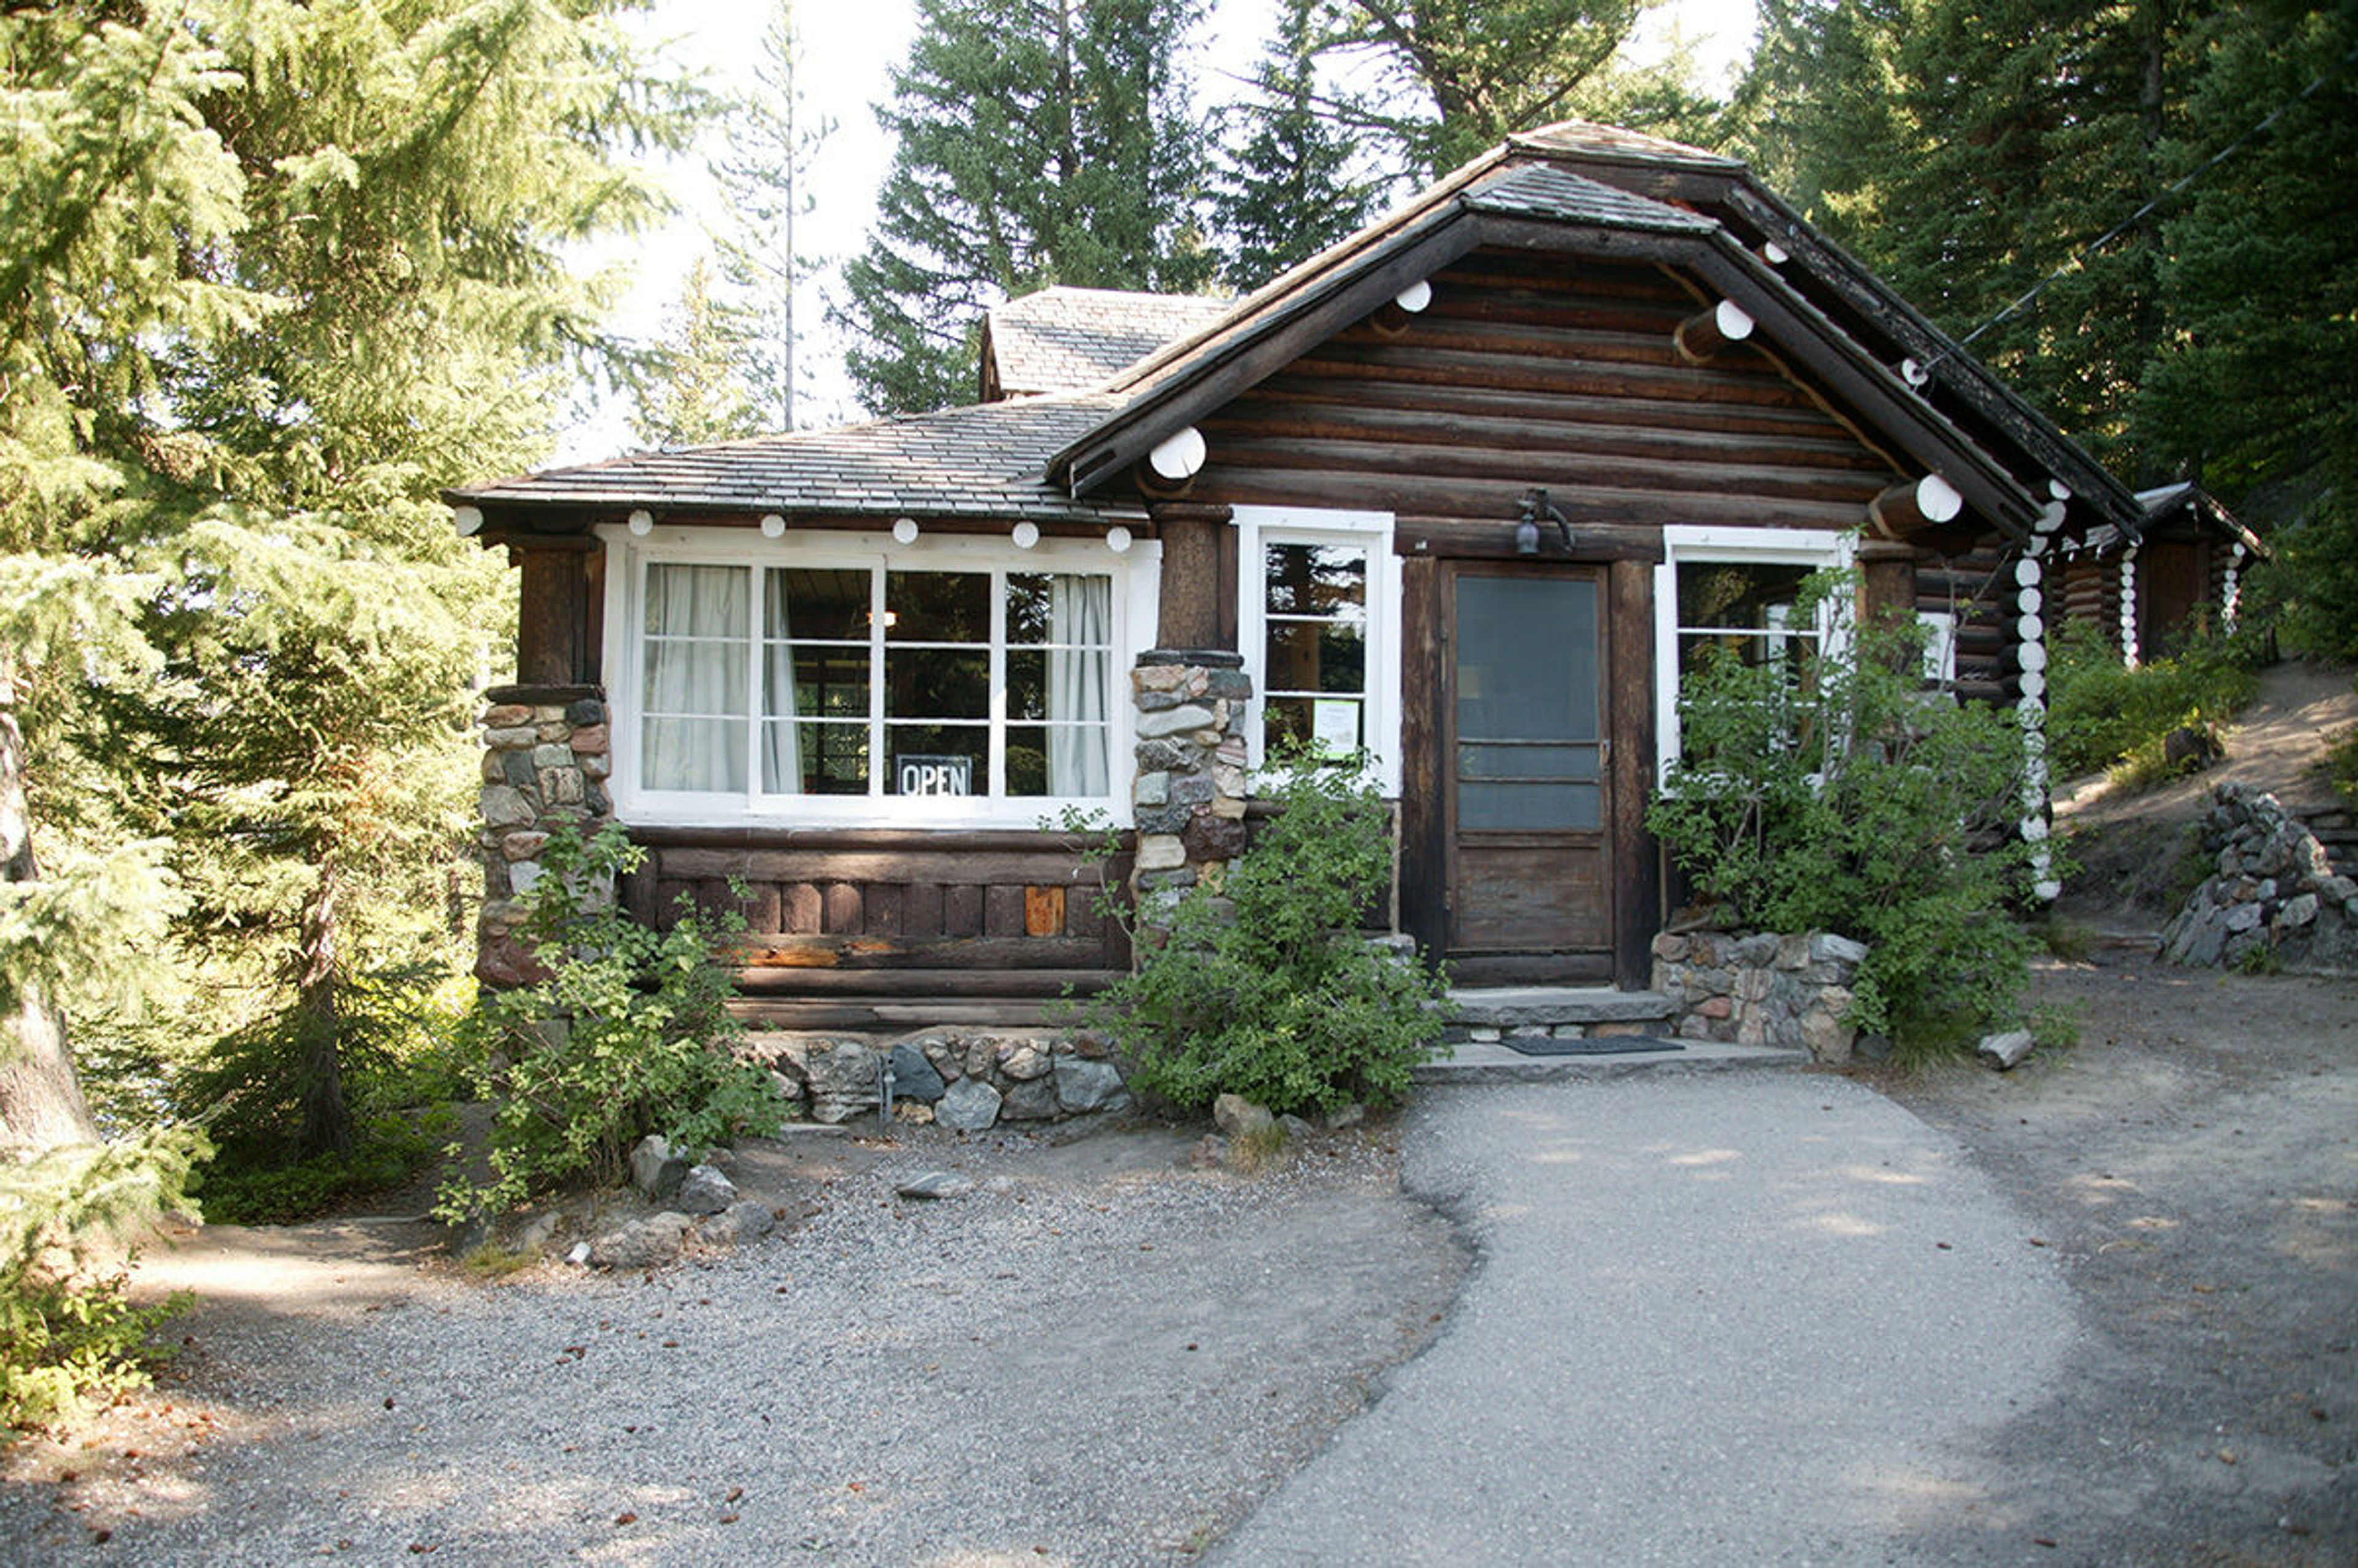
{"points": [[1520, 272], [893, 867], [881, 840], [1910, 507], [1551, 468], [1704, 336], [899, 1013], [784, 950], [1480, 401], [1575, 345], [1474, 498], [1473, 301], [1485, 538], [1260, 416], [988, 982], [1533, 372]]}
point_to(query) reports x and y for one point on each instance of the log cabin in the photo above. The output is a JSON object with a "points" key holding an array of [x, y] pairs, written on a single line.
{"points": [[1465, 492], [2148, 589]]}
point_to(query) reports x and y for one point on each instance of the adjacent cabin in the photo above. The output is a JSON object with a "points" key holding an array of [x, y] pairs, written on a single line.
{"points": [[2148, 587], [1468, 492]]}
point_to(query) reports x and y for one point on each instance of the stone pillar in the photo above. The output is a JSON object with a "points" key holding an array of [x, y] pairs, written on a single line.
{"points": [[1189, 796], [546, 757]]}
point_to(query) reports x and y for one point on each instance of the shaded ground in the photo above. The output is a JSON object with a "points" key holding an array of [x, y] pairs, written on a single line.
{"points": [[2193, 1165]]}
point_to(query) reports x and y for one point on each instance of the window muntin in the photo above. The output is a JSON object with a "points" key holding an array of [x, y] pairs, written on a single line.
{"points": [[987, 683]]}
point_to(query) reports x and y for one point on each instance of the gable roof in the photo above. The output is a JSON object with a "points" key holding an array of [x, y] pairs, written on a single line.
{"points": [[1157, 363], [1068, 340]]}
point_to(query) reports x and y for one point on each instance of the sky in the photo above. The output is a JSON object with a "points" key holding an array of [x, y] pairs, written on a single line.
{"points": [[848, 48]]}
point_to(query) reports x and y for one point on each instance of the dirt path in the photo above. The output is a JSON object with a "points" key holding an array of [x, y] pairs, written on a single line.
{"points": [[2194, 1164]]}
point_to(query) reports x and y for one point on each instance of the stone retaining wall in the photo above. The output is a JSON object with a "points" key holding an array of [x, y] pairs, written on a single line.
{"points": [[1188, 799], [964, 1079], [546, 755], [2273, 892], [1761, 989]]}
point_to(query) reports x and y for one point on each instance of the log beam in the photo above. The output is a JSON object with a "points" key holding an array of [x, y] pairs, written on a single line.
{"points": [[1700, 337], [1910, 507], [1170, 469], [1198, 576]]}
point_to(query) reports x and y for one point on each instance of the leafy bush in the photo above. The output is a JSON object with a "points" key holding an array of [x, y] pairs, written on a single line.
{"points": [[1264, 986], [68, 1339], [2101, 713], [1851, 800], [631, 1034]]}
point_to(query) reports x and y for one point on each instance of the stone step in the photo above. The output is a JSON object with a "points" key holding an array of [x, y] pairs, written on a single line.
{"points": [[1475, 1062], [1484, 1014]]}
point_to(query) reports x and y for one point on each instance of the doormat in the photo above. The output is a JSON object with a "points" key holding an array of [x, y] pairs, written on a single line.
{"points": [[1594, 1046]]}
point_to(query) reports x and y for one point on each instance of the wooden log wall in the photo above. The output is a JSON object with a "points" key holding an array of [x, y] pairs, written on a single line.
{"points": [[2091, 593], [1978, 588], [1531, 371], [898, 912]]}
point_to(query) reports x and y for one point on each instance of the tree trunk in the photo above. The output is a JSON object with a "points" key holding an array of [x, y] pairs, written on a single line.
{"points": [[318, 1022], [41, 1104]]}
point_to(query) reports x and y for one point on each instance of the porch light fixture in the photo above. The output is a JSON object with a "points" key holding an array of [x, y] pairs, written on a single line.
{"points": [[642, 522], [905, 530], [1026, 534], [774, 526], [1536, 505]]}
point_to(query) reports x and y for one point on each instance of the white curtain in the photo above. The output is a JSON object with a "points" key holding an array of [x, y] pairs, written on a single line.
{"points": [[782, 761], [1080, 619], [692, 732]]}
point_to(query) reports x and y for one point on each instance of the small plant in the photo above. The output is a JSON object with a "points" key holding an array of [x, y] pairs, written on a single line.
{"points": [[2054, 1026], [490, 1260], [70, 1339], [2073, 941], [1852, 801], [629, 1034], [2102, 714], [2260, 958], [1264, 986]]}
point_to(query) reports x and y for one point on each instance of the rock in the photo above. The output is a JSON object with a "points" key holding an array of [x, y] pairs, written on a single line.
{"points": [[1208, 1153], [915, 1112], [1342, 1116], [1827, 947], [2243, 918], [2004, 1051], [740, 1223], [2298, 911], [1296, 1128], [1173, 721], [968, 1104], [936, 1185], [914, 1077], [841, 1074], [1023, 1059], [646, 1243], [1083, 1085], [2189, 748], [1034, 1099], [580, 1254], [704, 1190], [1239, 1117], [1827, 1037], [654, 1169], [505, 807], [533, 1234], [1872, 1047]]}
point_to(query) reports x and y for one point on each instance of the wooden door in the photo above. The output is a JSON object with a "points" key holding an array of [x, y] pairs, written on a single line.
{"points": [[1525, 730]]}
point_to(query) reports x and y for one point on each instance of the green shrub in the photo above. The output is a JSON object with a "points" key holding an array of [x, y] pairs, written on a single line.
{"points": [[2102, 714], [631, 1034], [1848, 799], [1264, 986], [68, 1339]]}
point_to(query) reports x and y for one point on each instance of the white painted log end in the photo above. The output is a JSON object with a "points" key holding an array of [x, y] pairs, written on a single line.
{"points": [[1179, 457], [1913, 373], [1774, 253], [1937, 500], [1734, 323], [2059, 490], [2026, 573], [468, 520], [1415, 297]]}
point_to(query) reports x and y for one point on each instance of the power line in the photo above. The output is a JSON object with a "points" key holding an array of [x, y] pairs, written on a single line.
{"points": [[2134, 218]]}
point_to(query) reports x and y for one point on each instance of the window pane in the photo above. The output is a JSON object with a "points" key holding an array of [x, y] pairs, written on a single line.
{"points": [[818, 683], [696, 601], [938, 607], [1027, 760], [1529, 806], [699, 679], [937, 758], [1504, 761], [1331, 725], [815, 606], [1316, 579], [937, 683], [1307, 655], [1747, 595], [694, 753], [1526, 658], [814, 758], [1027, 683], [1027, 608]]}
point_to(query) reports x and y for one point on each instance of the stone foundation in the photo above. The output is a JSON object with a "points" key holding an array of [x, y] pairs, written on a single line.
{"points": [[546, 756], [960, 1078], [2273, 891], [1761, 989]]}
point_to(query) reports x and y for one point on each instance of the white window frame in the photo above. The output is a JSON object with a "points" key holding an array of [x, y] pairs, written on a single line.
{"points": [[1259, 526], [1136, 573], [1695, 545]]}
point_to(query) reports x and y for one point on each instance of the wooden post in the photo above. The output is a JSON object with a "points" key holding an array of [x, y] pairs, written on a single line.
{"points": [[1195, 585], [552, 609], [1886, 584]]}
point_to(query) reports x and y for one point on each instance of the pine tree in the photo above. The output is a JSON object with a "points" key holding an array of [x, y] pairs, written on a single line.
{"points": [[1293, 182], [773, 139], [1039, 141], [697, 394]]}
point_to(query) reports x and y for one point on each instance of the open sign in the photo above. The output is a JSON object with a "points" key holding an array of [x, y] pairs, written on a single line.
{"points": [[935, 775]]}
